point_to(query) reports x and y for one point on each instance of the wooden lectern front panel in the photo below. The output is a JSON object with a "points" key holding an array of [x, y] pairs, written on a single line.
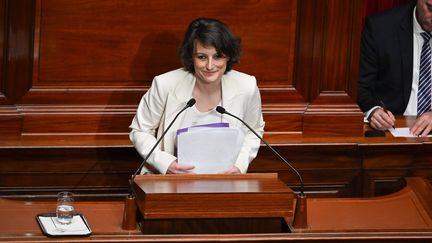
{"points": [[213, 196]]}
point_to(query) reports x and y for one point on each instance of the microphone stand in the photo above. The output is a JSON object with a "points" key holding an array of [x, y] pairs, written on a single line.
{"points": [[300, 213], [129, 213]]}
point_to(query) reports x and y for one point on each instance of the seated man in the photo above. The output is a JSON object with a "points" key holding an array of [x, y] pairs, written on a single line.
{"points": [[395, 67]]}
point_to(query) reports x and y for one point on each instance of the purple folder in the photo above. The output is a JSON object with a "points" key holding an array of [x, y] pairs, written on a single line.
{"points": [[218, 124]]}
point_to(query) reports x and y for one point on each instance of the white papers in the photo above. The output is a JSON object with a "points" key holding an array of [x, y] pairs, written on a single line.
{"points": [[51, 226], [402, 132], [211, 149]]}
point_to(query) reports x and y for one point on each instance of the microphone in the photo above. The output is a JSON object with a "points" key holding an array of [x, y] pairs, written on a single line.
{"points": [[129, 218], [300, 214], [222, 110], [190, 103]]}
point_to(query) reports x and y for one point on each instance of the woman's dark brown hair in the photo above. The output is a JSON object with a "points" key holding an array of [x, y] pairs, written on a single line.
{"points": [[210, 32]]}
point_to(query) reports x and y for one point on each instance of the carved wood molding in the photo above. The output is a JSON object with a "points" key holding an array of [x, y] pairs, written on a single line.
{"points": [[10, 122], [76, 57]]}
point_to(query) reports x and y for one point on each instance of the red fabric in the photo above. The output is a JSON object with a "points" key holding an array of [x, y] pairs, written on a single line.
{"points": [[373, 6]]}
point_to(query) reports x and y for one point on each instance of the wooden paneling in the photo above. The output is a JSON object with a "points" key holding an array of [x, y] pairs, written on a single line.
{"points": [[405, 216], [10, 119], [120, 55], [31, 169], [127, 43], [330, 166], [3, 29], [327, 49], [326, 70], [71, 57], [401, 161], [19, 46], [327, 170], [117, 43], [283, 119], [76, 119], [79, 68], [10, 123]]}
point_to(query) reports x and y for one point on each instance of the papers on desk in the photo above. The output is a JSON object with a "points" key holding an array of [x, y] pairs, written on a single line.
{"points": [[402, 132], [51, 227], [211, 148]]}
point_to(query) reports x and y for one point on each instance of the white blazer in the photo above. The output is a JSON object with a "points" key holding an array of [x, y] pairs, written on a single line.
{"points": [[170, 92]]}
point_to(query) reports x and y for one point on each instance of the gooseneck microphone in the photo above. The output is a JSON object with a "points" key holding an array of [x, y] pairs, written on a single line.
{"points": [[222, 110], [129, 211], [190, 103]]}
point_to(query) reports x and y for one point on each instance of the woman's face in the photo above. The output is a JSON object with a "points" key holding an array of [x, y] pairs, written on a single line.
{"points": [[208, 64]]}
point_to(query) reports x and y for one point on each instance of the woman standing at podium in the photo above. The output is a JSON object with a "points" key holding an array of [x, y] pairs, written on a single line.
{"points": [[208, 52]]}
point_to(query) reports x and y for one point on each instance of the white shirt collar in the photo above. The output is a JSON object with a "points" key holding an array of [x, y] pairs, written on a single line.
{"points": [[417, 28]]}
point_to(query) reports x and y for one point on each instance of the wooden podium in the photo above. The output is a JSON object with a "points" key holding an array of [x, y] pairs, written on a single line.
{"points": [[241, 203]]}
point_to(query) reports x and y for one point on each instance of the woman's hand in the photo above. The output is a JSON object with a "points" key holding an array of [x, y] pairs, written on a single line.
{"points": [[175, 168], [232, 170]]}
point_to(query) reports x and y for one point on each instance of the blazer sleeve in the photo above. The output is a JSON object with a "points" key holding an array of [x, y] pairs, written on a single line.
{"points": [[145, 124], [369, 65], [254, 118]]}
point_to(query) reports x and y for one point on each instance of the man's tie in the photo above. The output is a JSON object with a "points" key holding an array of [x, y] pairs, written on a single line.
{"points": [[425, 78]]}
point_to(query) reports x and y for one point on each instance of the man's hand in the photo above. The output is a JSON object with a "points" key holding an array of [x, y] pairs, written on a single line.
{"points": [[175, 168], [423, 125], [381, 120]]}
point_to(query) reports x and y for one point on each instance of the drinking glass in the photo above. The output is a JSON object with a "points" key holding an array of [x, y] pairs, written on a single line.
{"points": [[65, 207]]}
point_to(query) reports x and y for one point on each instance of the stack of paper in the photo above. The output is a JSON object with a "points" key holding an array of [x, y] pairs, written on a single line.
{"points": [[403, 132], [211, 148]]}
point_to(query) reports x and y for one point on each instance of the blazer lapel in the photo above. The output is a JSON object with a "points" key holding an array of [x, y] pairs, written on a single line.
{"points": [[227, 91], [175, 102], [230, 91], [405, 34]]}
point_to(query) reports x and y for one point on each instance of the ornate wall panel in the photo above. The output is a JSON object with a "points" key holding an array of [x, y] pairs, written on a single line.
{"points": [[3, 28], [80, 62], [77, 69], [15, 63], [91, 58], [327, 64]]}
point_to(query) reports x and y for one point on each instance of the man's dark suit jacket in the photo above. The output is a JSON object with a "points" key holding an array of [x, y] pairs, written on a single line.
{"points": [[386, 60]]}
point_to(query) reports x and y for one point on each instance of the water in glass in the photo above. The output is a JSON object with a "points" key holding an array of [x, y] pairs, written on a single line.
{"points": [[65, 208]]}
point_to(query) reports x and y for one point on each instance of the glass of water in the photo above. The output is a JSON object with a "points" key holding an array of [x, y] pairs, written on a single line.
{"points": [[65, 207]]}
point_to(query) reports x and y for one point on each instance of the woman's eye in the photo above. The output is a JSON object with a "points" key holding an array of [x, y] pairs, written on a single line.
{"points": [[218, 56]]}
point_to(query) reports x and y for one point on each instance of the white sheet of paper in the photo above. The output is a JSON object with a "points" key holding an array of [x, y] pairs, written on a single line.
{"points": [[210, 150], [403, 132], [53, 227]]}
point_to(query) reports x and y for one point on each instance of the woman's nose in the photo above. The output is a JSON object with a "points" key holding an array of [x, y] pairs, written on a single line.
{"points": [[209, 63]]}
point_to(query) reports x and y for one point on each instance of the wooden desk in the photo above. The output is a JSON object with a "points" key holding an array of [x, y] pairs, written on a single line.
{"points": [[405, 216], [330, 166], [349, 166]]}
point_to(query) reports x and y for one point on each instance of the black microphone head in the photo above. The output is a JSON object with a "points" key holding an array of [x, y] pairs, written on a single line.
{"points": [[191, 102], [220, 109]]}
